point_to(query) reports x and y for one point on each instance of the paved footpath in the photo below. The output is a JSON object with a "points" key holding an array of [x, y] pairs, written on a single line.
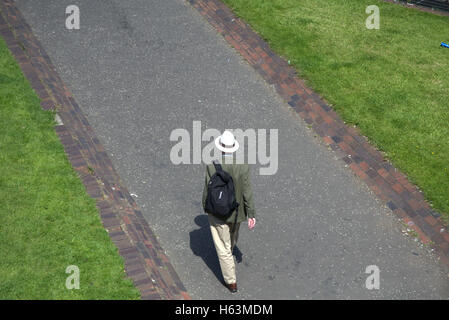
{"points": [[140, 69]]}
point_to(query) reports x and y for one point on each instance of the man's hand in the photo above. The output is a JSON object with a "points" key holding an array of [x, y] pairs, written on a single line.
{"points": [[251, 223]]}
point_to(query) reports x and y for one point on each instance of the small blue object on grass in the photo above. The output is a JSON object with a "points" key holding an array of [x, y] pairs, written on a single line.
{"points": [[444, 45]]}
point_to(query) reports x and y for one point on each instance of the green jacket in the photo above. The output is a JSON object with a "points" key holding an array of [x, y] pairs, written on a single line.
{"points": [[243, 193]]}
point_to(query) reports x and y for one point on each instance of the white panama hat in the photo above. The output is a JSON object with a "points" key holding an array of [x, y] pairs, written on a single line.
{"points": [[226, 142]]}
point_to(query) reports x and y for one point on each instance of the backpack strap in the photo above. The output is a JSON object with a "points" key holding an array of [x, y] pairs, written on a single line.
{"points": [[217, 166]]}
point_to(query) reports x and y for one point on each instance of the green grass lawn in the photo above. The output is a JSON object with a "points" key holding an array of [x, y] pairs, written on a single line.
{"points": [[393, 83], [47, 221]]}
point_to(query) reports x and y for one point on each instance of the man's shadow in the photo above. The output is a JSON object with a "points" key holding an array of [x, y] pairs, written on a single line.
{"points": [[202, 246]]}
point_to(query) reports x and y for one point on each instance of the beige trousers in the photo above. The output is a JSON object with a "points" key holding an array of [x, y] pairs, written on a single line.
{"points": [[224, 244]]}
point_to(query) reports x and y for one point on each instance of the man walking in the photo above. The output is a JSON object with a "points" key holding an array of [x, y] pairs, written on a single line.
{"points": [[225, 232]]}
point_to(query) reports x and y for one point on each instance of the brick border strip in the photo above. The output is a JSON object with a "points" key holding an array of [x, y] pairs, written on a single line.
{"points": [[145, 261], [389, 184]]}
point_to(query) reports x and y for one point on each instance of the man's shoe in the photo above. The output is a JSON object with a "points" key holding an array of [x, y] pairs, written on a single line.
{"points": [[232, 287]]}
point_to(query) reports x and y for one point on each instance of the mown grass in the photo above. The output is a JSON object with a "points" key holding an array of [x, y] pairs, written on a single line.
{"points": [[47, 221], [392, 83]]}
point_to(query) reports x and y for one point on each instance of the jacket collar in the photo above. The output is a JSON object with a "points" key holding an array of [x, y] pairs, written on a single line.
{"points": [[225, 158]]}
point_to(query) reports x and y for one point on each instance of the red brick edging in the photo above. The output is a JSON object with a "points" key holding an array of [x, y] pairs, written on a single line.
{"points": [[389, 184], [145, 261]]}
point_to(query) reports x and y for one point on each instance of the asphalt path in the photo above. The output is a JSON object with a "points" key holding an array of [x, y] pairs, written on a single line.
{"points": [[139, 70]]}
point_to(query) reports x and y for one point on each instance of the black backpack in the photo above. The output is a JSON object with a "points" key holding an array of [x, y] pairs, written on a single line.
{"points": [[220, 200]]}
